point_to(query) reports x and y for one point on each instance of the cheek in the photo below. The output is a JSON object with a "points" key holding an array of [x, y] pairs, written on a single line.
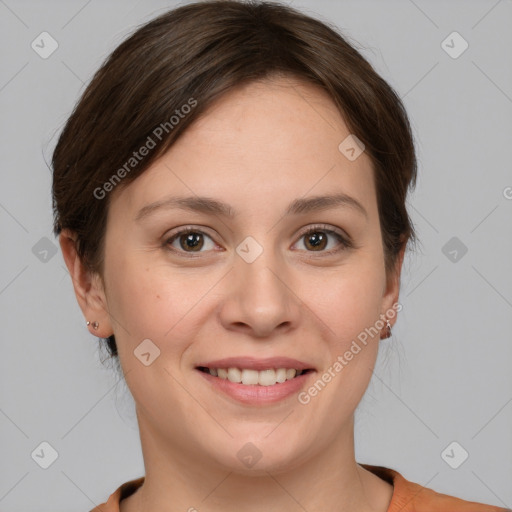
{"points": [[356, 306], [349, 299], [349, 305], [153, 301]]}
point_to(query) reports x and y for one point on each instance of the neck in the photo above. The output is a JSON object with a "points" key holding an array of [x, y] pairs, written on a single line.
{"points": [[330, 481]]}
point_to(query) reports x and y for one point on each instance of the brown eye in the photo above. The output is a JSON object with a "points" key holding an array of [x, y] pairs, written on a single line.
{"points": [[318, 238], [188, 241], [191, 241]]}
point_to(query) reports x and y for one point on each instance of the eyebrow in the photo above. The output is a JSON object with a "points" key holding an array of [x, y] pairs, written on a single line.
{"points": [[212, 206]]}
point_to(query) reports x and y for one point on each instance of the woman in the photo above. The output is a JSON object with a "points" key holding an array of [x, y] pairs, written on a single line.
{"points": [[229, 196]]}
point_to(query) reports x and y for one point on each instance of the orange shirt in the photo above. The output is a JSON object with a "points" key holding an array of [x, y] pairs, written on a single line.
{"points": [[407, 496]]}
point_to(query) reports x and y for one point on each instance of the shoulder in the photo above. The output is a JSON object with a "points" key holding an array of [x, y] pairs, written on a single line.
{"points": [[123, 491], [412, 497], [407, 496]]}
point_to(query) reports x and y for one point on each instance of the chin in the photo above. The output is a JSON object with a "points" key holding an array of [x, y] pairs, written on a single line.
{"points": [[259, 456]]}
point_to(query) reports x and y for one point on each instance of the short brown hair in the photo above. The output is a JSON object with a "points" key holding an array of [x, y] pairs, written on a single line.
{"points": [[200, 51]]}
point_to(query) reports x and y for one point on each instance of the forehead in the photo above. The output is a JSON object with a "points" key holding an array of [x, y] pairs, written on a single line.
{"points": [[276, 140], [264, 109]]}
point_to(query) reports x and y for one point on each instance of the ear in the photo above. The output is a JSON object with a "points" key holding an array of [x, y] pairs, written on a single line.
{"points": [[88, 285], [392, 290]]}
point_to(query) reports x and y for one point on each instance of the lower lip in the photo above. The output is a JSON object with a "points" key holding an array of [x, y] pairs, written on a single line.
{"points": [[256, 394]]}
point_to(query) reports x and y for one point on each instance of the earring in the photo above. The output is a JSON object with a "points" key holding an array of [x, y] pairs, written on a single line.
{"points": [[95, 325], [388, 331], [388, 325]]}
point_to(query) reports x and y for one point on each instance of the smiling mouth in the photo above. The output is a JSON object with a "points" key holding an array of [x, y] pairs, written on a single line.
{"points": [[269, 377]]}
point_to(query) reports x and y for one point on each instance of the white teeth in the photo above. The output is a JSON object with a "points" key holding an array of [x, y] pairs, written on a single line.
{"points": [[249, 377], [234, 375], [253, 377], [267, 378], [281, 375], [290, 373]]}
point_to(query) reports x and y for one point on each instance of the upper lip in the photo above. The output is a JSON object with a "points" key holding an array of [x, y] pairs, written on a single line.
{"points": [[252, 363]]}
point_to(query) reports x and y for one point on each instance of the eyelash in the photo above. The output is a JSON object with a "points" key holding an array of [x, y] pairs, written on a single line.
{"points": [[345, 242]]}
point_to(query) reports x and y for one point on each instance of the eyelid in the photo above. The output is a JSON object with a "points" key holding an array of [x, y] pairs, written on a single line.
{"points": [[187, 228], [324, 227]]}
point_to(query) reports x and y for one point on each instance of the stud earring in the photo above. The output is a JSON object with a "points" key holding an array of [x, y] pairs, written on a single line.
{"points": [[95, 325]]}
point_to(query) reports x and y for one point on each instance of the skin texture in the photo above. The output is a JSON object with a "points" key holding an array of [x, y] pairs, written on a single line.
{"points": [[258, 148]]}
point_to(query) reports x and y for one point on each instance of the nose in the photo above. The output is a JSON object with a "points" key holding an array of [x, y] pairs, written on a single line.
{"points": [[259, 300]]}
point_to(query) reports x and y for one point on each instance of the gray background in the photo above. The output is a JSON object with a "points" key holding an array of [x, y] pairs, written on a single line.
{"points": [[443, 377]]}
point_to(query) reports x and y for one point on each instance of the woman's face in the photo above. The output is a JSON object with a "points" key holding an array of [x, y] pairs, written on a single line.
{"points": [[250, 286]]}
